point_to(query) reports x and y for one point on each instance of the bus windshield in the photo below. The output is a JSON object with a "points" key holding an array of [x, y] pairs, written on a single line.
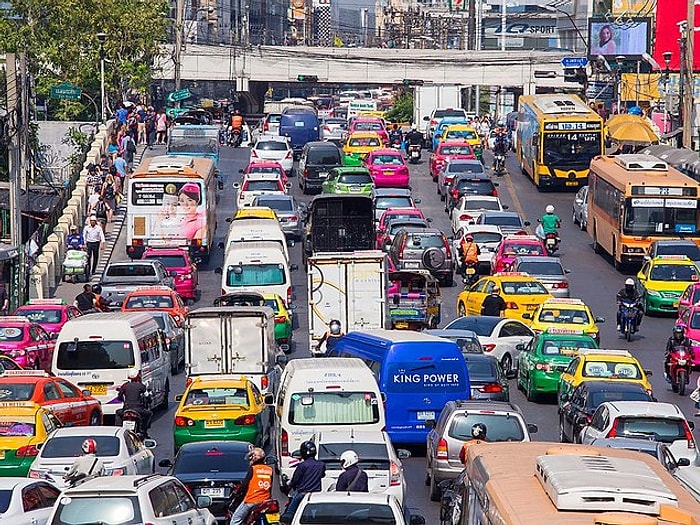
{"points": [[571, 150], [334, 408], [649, 217]]}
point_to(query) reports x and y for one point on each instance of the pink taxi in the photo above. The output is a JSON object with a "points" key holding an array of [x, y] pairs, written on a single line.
{"points": [[690, 321], [50, 314], [373, 124], [391, 214], [690, 297], [513, 246], [27, 343], [178, 260], [388, 168]]}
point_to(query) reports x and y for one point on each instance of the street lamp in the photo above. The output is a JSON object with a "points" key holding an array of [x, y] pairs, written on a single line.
{"points": [[620, 59], [667, 60], [101, 37]]}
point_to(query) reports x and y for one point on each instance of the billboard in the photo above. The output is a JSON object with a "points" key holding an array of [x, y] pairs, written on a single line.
{"points": [[668, 14], [609, 39]]}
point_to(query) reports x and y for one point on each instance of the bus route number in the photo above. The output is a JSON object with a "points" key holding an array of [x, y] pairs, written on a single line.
{"points": [[572, 125]]}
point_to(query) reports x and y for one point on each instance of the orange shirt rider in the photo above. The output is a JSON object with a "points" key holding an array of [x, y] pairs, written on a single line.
{"points": [[470, 250], [236, 121], [259, 485]]}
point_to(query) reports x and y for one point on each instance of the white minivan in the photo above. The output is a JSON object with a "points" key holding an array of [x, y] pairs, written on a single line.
{"points": [[317, 394], [259, 266], [253, 230], [97, 351]]}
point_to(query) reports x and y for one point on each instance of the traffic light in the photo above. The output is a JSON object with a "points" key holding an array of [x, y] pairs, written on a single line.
{"points": [[307, 78], [575, 74]]}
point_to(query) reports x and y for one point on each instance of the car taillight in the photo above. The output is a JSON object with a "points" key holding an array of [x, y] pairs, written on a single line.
{"points": [[223, 292], [543, 366], [442, 449], [306, 173], [264, 382], [266, 127], [491, 388], [181, 421], [488, 347], [280, 319], [511, 305], [248, 419], [284, 443], [290, 153], [689, 435], [455, 194], [294, 218], [403, 245], [560, 285], [448, 251], [494, 192], [613, 430], [289, 296], [465, 217], [327, 129], [118, 472], [394, 475], [27, 451]]}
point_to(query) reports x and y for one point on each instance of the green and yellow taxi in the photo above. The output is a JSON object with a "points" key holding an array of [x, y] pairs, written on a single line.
{"points": [[573, 314], [542, 360], [358, 145], [663, 279], [222, 407], [283, 318], [354, 180], [521, 292], [607, 365], [24, 426]]}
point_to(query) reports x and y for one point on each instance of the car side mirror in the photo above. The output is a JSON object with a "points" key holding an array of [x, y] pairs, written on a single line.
{"points": [[650, 373], [220, 185], [496, 184], [566, 270], [682, 462], [240, 170], [600, 319], [417, 201], [54, 335], [291, 243], [428, 220], [229, 220], [520, 347], [173, 347], [269, 399], [426, 118], [416, 519], [221, 245], [270, 460], [505, 206], [172, 273], [293, 267], [86, 393], [445, 484], [402, 453], [430, 423], [582, 421], [203, 502], [218, 271], [527, 223], [511, 374], [236, 185], [150, 443], [165, 463], [691, 425], [178, 398], [532, 428]]}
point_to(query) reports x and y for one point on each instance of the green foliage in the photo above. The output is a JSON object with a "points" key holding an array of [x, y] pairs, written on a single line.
{"points": [[402, 111], [80, 142], [59, 37]]}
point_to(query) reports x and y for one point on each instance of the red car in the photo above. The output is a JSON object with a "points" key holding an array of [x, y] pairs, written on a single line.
{"points": [[449, 149], [179, 261], [50, 314], [70, 404], [394, 214], [373, 124], [513, 246], [265, 166], [27, 343], [388, 168]]}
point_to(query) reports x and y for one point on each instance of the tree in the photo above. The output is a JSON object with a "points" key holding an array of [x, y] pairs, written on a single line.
{"points": [[402, 111], [59, 38]]}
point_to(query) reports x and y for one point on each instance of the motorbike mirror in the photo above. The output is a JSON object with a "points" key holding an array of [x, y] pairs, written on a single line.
{"points": [[505, 206], [86, 393], [445, 484], [240, 170], [150, 443], [229, 219], [236, 185], [203, 502], [532, 428], [165, 463], [600, 319], [683, 462], [691, 425], [218, 271]]}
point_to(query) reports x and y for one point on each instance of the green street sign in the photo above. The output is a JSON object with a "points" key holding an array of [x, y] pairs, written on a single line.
{"points": [[175, 112], [180, 94], [66, 91]]}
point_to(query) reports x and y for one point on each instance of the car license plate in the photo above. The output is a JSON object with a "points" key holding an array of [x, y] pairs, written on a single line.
{"points": [[411, 264], [355, 189], [471, 271], [425, 415], [388, 172], [97, 389], [675, 305], [129, 424], [272, 517], [323, 174], [401, 325], [212, 492], [215, 423], [682, 362]]}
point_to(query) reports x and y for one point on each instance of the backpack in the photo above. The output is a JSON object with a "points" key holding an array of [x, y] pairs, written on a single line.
{"points": [[101, 210], [109, 192], [131, 146]]}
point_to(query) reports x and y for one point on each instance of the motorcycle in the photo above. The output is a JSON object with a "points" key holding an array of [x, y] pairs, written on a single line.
{"points": [[499, 164], [235, 137], [679, 367], [264, 513], [628, 318], [414, 153], [132, 419], [551, 243]]}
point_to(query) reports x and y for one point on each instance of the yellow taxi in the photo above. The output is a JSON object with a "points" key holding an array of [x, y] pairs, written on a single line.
{"points": [[24, 426], [521, 292], [358, 145], [255, 212], [663, 279], [223, 407], [602, 365], [565, 313], [466, 133]]}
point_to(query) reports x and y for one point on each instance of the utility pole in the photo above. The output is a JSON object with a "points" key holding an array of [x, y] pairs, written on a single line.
{"points": [[688, 91], [179, 14]]}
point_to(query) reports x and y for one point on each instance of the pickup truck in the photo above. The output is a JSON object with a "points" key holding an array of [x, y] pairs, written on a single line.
{"points": [[121, 278]]}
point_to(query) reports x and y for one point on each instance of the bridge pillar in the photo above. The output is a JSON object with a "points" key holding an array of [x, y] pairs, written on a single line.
{"points": [[61, 233], [529, 88], [36, 290]]}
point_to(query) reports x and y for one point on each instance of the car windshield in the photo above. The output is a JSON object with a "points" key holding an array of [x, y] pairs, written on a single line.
{"points": [[149, 301], [465, 167], [596, 398], [255, 275], [382, 203], [666, 217], [70, 446], [217, 396], [611, 370], [373, 456], [523, 288], [418, 241], [567, 347], [5, 499], [101, 509], [456, 150], [11, 333], [479, 204], [356, 513], [40, 316], [276, 204], [502, 220], [674, 272], [482, 369], [17, 426], [261, 185], [387, 160], [16, 391], [334, 408], [523, 249], [499, 427], [665, 430], [481, 326], [690, 250], [541, 268], [213, 460], [272, 145], [169, 261], [564, 316], [95, 355], [355, 178]]}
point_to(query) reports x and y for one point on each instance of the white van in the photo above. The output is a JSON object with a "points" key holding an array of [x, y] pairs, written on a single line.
{"points": [[97, 351], [316, 394], [247, 230], [258, 266]]}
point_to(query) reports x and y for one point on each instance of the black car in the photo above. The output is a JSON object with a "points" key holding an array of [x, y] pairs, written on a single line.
{"points": [[317, 159], [486, 378], [578, 408], [468, 184], [211, 468]]}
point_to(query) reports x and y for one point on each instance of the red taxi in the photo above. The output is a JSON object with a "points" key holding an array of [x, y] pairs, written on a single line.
{"points": [[179, 261], [388, 168], [70, 404], [373, 124], [27, 343], [50, 314], [156, 299], [513, 246], [448, 150], [265, 166], [391, 214]]}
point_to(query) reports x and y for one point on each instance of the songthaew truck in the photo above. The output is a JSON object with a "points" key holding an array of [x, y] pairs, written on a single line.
{"points": [[350, 287]]}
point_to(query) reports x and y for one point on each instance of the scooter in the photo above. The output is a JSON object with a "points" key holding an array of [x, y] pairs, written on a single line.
{"points": [[235, 137], [551, 243], [500, 164], [628, 319], [414, 153], [264, 513], [679, 367]]}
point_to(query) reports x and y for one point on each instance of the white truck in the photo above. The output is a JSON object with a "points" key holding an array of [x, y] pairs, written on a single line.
{"points": [[350, 287], [234, 340], [430, 97]]}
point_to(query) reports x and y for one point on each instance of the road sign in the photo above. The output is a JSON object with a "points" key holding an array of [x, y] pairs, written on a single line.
{"points": [[568, 62], [66, 91], [180, 94]]}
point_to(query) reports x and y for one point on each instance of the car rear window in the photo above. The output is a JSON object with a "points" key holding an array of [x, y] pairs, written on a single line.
{"points": [[276, 204], [523, 288], [482, 326], [373, 456], [481, 204], [523, 249], [272, 145], [419, 241], [368, 126], [394, 227], [70, 446], [131, 270], [565, 346], [501, 427], [265, 169], [665, 430], [482, 369], [541, 268], [611, 370], [210, 461], [475, 186], [456, 150], [356, 513], [355, 178], [459, 167], [262, 185], [149, 301], [387, 160], [323, 156], [40, 316], [382, 203], [169, 261], [487, 237], [503, 220], [364, 141], [596, 398]]}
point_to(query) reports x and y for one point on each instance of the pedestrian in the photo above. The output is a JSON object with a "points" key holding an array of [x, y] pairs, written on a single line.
{"points": [[4, 300], [94, 178], [132, 125], [493, 304], [85, 300], [93, 199], [109, 194], [105, 163], [161, 126], [103, 212], [129, 152], [113, 147], [120, 165], [121, 114], [353, 479], [94, 238], [141, 115], [307, 478], [150, 128]]}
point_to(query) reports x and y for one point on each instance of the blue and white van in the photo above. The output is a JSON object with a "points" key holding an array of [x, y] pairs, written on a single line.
{"points": [[417, 373], [299, 126]]}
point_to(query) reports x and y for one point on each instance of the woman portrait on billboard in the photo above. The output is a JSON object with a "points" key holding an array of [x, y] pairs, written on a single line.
{"points": [[606, 44]]}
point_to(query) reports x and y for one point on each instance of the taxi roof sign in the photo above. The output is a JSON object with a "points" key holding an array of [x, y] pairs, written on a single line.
{"points": [[220, 377], [14, 319], [604, 351], [153, 288], [522, 237], [511, 274], [556, 300], [563, 331], [18, 404], [52, 301], [671, 258], [25, 373]]}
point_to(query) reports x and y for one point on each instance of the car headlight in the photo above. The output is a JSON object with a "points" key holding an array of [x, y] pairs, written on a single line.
{"points": [[653, 293]]}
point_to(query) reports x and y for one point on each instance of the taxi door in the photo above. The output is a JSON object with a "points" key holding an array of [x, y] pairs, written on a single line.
{"points": [[55, 403], [477, 295], [72, 397], [567, 378], [44, 345]]}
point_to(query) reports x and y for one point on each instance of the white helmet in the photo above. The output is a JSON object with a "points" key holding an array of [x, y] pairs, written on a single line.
{"points": [[629, 282], [549, 209], [348, 459], [133, 373]]}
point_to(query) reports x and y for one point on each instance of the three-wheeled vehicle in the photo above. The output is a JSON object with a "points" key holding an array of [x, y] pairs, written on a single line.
{"points": [[414, 300]]}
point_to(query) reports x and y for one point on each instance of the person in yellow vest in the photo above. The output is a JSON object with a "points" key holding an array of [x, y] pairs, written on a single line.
{"points": [[478, 436], [469, 251], [256, 486]]}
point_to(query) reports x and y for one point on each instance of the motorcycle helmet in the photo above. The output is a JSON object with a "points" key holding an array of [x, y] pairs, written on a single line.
{"points": [[96, 289], [479, 431], [307, 450], [549, 209], [678, 333], [469, 237], [89, 446], [255, 454], [348, 459], [134, 373], [629, 285], [335, 327], [74, 229]]}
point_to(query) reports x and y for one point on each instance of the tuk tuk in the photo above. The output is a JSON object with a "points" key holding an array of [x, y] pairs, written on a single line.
{"points": [[414, 300]]}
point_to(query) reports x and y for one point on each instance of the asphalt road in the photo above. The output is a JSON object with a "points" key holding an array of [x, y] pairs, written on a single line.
{"points": [[592, 278]]}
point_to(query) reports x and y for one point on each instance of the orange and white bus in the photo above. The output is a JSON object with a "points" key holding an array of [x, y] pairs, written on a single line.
{"points": [[636, 199], [563, 484], [172, 203]]}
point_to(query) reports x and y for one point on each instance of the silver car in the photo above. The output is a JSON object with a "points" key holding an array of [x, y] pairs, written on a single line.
{"points": [[334, 129], [508, 221], [548, 270], [580, 207], [290, 213]]}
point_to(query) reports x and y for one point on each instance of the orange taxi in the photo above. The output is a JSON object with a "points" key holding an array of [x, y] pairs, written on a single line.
{"points": [[156, 299]]}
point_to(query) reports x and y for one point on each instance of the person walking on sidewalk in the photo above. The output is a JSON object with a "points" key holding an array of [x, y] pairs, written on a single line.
{"points": [[94, 238]]}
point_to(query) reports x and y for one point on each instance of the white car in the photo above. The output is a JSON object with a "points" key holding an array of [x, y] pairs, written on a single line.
{"points": [[155, 499], [663, 422], [273, 147], [256, 184], [470, 207], [121, 451], [353, 507], [499, 336], [486, 236], [334, 129], [377, 458], [25, 501]]}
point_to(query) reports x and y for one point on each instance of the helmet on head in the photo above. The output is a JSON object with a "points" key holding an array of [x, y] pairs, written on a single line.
{"points": [[479, 431], [96, 288], [348, 459], [635, 110], [629, 282], [73, 228], [307, 450], [334, 326], [255, 454], [134, 373], [89, 446], [678, 332], [469, 237], [549, 209], [237, 112]]}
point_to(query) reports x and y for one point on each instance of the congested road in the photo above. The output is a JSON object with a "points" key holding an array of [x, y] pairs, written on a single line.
{"points": [[592, 279]]}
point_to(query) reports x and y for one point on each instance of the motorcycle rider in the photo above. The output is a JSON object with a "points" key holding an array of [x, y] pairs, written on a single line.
{"points": [[86, 465], [74, 240], [353, 478], [629, 293], [307, 478], [499, 146], [478, 436], [256, 487], [414, 137], [236, 121], [134, 395], [549, 221], [332, 335], [395, 135], [85, 301], [470, 252], [100, 303], [678, 338]]}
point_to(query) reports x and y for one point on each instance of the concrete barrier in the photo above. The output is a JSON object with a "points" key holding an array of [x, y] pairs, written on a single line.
{"points": [[61, 234], [52, 251], [35, 283]]}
